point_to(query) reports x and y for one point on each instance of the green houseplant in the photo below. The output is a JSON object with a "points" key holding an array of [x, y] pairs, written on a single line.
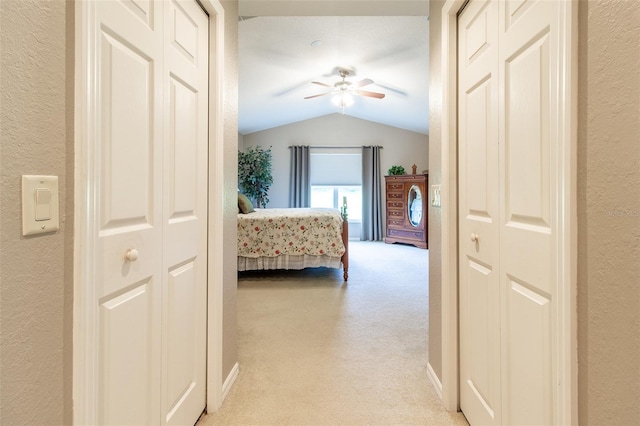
{"points": [[396, 170], [254, 174]]}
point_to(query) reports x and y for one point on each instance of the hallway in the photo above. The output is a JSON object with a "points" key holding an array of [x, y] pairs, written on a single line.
{"points": [[316, 351]]}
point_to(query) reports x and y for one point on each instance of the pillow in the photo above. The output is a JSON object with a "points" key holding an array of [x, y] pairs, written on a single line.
{"points": [[244, 204]]}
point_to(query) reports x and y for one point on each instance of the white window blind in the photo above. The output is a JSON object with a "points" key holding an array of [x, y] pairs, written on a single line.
{"points": [[335, 168]]}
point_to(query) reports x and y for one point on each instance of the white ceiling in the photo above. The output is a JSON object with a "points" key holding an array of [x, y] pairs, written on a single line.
{"points": [[277, 64]]}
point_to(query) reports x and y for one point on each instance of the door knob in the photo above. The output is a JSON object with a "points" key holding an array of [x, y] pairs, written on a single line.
{"points": [[474, 238], [131, 255]]}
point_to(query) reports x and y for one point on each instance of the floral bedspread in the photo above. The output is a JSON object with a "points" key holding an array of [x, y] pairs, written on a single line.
{"points": [[295, 231]]}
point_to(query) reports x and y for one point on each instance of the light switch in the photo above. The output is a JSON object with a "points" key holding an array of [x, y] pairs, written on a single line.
{"points": [[435, 195], [39, 204], [43, 204]]}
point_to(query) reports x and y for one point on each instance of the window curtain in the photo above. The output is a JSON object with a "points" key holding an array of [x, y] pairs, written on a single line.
{"points": [[300, 187], [371, 194]]}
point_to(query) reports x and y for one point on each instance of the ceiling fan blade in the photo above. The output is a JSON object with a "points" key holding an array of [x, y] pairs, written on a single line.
{"points": [[321, 84], [292, 88], [363, 82], [369, 94], [392, 89], [315, 96]]}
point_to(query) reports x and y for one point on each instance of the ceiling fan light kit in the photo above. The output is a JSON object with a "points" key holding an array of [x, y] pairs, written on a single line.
{"points": [[344, 90], [342, 100]]}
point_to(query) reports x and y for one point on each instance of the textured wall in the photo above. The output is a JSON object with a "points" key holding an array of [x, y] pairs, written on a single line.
{"points": [[401, 147], [67, 311], [609, 213], [35, 296], [229, 337], [435, 177]]}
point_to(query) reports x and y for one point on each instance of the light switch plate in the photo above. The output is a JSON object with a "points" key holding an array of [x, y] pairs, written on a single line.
{"points": [[435, 195], [39, 204]]}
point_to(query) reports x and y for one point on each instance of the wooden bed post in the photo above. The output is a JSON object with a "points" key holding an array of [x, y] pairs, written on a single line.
{"points": [[345, 240]]}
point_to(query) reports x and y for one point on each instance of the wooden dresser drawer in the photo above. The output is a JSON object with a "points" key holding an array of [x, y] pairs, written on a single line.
{"points": [[395, 205], [398, 223], [418, 235]]}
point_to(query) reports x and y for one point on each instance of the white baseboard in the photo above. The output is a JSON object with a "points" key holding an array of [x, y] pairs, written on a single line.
{"points": [[433, 378], [230, 380]]}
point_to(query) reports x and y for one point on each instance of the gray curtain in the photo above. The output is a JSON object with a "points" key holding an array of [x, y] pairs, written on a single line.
{"points": [[371, 194], [300, 187]]}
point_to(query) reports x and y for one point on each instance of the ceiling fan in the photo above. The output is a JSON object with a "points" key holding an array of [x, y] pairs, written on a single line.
{"points": [[343, 87]]}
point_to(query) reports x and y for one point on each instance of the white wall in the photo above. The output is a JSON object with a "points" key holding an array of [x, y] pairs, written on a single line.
{"points": [[240, 142], [401, 147], [435, 178], [230, 181], [334, 7]]}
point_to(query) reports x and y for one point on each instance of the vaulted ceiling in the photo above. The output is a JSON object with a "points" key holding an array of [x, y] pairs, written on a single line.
{"points": [[279, 57]]}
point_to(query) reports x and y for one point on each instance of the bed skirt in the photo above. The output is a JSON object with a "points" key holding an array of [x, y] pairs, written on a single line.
{"points": [[287, 262]]}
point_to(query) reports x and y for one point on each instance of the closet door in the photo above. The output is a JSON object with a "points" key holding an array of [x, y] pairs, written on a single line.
{"points": [[509, 99], [530, 200], [150, 62], [185, 212], [128, 65], [480, 395]]}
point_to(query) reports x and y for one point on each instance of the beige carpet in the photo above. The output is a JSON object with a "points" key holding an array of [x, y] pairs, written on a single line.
{"points": [[316, 351]]}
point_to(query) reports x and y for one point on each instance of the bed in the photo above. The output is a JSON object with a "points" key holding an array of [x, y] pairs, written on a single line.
{"points": [[293, 238]]}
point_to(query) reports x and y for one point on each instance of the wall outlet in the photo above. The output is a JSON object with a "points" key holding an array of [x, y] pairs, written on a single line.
{"points": [[435, 195]]}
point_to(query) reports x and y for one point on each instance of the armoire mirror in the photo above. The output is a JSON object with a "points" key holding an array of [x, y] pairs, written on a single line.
{"points": [[414, 205]]}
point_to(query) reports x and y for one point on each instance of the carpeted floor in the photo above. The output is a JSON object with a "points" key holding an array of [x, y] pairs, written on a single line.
{"points": [[314, 350]]}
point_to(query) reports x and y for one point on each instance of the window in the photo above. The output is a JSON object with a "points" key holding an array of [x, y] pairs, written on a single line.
{"points": [[332, 196], [336, 174]]}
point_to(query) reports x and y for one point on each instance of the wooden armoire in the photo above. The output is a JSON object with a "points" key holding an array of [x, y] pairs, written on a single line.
{"points": [[406, 205]]}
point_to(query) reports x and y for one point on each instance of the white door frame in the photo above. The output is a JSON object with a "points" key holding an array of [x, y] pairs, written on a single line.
{"points": [[567, 388], [84, 316], [216, 207]]}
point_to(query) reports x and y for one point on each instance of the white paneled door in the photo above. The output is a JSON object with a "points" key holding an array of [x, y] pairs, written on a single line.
{"points": [[150, 61], [508, 100], [480, 394]]}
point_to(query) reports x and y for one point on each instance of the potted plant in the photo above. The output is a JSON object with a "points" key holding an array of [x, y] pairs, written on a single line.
{"points": [[396, 170], [254, 174]]}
